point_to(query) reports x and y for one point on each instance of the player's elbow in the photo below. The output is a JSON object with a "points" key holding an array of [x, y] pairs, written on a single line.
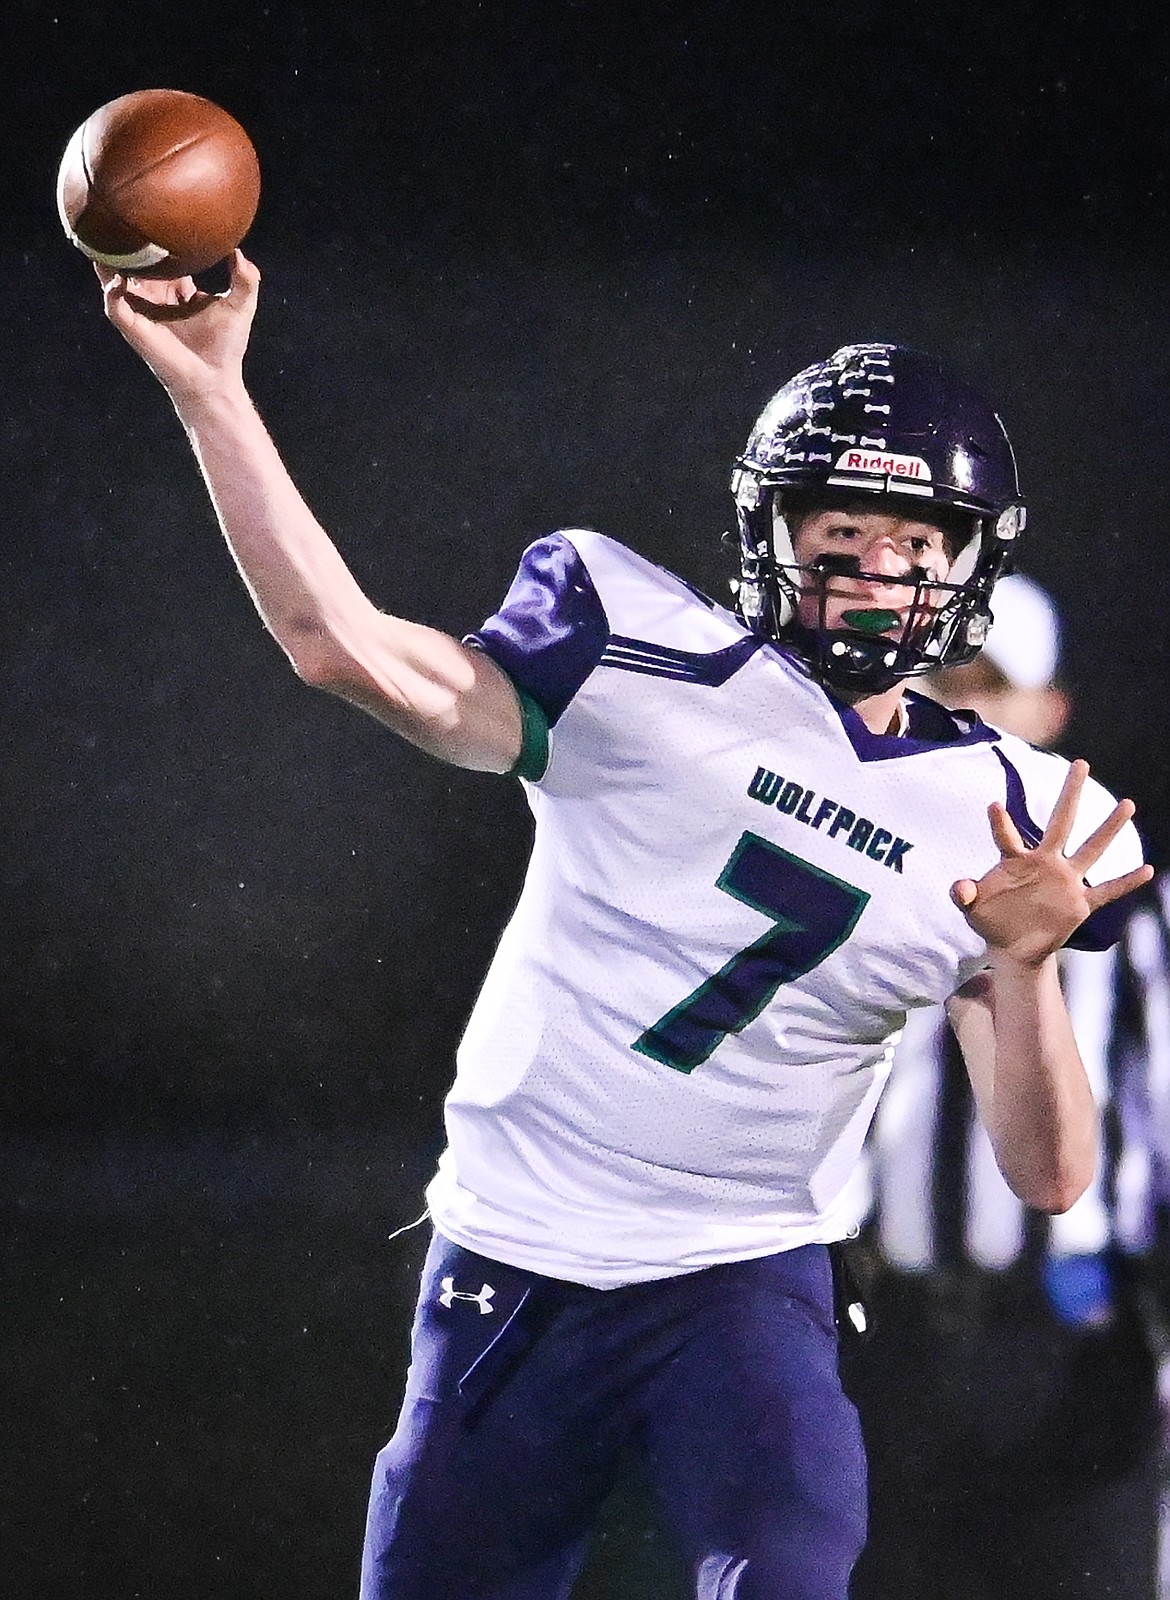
{"points": [[1057, 1196], [321, 659], [319, 666], [1057, 1187], [424, 712]]}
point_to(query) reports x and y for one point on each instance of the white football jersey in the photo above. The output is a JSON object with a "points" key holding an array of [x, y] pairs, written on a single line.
{"points": [[735, 895]]}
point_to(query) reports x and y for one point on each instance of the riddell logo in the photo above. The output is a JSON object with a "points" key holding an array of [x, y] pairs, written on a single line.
{"points": [[875, 461]]}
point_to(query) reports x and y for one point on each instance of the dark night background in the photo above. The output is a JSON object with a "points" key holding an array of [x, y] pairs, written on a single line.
{"points": [[524, 265]]}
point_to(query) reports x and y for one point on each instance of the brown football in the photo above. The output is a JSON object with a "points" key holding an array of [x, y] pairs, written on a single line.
{"points": [[158, 184]]}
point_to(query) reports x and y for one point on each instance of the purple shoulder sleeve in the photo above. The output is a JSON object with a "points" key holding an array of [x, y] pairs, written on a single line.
{"points": [[551, 629]]}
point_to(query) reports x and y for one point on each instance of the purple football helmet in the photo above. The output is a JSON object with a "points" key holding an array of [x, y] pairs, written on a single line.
{"points": [[881, 420]]}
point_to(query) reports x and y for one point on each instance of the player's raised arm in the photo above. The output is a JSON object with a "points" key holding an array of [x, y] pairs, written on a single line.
{"points": [[450, 701], [1011, 1022]]}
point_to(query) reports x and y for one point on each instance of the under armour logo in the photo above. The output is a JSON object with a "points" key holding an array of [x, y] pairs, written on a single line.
{"points": [[483, 1299]]}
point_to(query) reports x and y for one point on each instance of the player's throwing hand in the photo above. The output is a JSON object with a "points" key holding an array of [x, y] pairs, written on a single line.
{"points": [[191, 340], [1033, 900]]}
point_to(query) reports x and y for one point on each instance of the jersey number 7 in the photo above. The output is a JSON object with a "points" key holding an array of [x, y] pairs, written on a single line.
{"points": [[813, 913]]}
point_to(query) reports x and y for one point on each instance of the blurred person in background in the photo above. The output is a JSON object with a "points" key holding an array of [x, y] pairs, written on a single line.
{"points": [[1010, 1389]]}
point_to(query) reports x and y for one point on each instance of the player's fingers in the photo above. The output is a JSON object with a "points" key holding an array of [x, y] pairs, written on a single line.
{"points": [[184, 300], [114, 294], [245, 279], [963, 893], [1004, 831], [1103, 894], [162, 291], [241, 266], [1090, 849], [1064, 812]]}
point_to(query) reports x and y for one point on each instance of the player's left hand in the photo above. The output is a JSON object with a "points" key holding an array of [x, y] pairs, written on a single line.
{"points": [[1033, 900]]}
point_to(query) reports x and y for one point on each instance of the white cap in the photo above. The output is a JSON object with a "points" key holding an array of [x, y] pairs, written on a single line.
{"points": [[1024, 641]]}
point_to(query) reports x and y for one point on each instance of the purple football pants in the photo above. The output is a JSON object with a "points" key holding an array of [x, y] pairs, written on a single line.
{"points": [[525, 1393]]}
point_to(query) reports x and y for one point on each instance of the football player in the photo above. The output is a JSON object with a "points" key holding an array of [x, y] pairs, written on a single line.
{"points": [[755, 850]]}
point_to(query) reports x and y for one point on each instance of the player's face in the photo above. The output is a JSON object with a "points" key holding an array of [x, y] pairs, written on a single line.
{"points": [[885, 546]]}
